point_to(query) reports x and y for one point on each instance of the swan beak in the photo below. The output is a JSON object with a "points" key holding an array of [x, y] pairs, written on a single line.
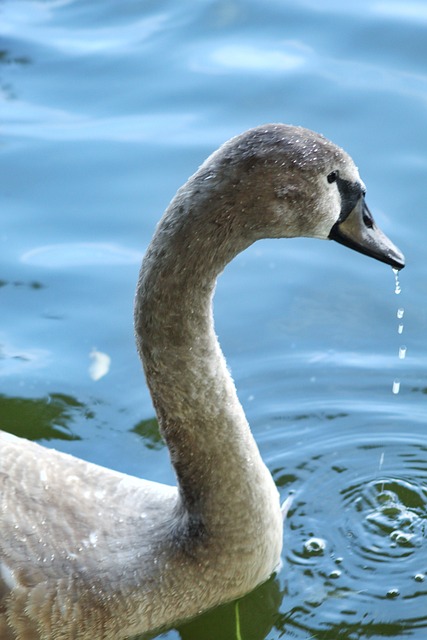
{"points": [[358, 231]]}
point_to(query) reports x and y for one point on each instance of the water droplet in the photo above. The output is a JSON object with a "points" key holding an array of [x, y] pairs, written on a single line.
{"points": [[397, 288], [402, 352], [419, 577], [93, 538], [400, 313], [396, 387], [400, 329], [315, 546]]}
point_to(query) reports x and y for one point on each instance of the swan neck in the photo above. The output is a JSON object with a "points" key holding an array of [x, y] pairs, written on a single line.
{"points": [[199, 414]]}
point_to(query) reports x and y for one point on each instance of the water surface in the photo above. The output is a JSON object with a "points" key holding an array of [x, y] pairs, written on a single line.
{"points": [[107, 108]]}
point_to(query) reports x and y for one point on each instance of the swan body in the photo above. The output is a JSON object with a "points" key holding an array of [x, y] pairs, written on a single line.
{"points": [[86, 552]]}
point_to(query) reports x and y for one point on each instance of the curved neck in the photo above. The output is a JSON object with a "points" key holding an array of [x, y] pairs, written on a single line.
{"points": [[199, 414]]}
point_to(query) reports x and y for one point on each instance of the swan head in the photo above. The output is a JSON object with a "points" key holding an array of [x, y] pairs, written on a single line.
{"points": [[356, 228], [305, 186]]}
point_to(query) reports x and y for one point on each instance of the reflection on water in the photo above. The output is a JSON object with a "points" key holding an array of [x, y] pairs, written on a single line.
{"points": [[149, 431], [7, 91], [18, 283], [82, 254], [100, 365], [250, 618], [42, 418]]}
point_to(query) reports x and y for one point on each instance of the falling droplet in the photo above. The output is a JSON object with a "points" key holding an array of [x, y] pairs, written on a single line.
{"points": [[397, 288], [400, 313]]}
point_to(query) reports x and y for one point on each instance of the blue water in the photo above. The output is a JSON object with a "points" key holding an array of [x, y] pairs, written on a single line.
{"points": [[106, 108]]}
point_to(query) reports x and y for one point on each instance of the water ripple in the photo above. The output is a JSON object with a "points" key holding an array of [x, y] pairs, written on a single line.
{"points": [[357, 530]]}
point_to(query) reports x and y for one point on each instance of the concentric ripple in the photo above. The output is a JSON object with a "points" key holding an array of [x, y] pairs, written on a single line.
{"points": [[393, 518], [356, 537]]}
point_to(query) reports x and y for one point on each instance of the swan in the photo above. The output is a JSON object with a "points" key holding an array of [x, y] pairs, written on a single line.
{"points": [[87, 552]]}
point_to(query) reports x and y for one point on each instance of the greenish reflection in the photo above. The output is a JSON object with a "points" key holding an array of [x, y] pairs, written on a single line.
{"points": [[249, 618], [41, 418], [283, 479], [33, 284], [419, 390], [6, 58], [288, 623], [149, 431]]}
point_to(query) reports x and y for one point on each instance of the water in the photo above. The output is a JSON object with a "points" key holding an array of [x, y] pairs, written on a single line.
{"points": [[397, 289], [106, 109], [396, 386], [400, 313]]}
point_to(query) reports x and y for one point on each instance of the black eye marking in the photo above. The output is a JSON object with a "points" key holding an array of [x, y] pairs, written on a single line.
{"points": [[351, 193], [368, 220], [332, 176]]}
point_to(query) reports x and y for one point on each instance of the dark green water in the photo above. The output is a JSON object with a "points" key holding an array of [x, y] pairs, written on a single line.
{"points": [[107, 107]]}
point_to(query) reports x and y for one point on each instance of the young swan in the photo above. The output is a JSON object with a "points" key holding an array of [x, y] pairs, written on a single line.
{"points": [[87, 552]]}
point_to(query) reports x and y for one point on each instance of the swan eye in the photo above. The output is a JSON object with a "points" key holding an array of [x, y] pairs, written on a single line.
{"points": [[332, 176]]}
